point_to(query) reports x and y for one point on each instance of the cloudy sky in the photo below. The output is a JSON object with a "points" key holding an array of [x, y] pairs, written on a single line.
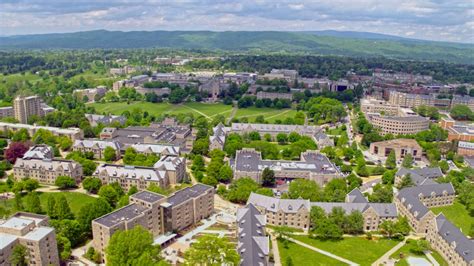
{"points": [[441, 20]]}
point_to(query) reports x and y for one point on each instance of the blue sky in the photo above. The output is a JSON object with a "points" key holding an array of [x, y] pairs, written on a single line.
{"points": [[440, 20]]}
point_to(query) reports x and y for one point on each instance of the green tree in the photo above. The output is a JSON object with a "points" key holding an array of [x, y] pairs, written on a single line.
{"points": [[212, 250], [265, 191], [132, 247], [268, 177], [225, 174], [391, 162], [65, 182], [30, 184], [108, 193], [317, 215], [408, 161], [420, 247], [19, 256], [71, 229], [51, 207], [354, 223], [240, 189], [406, 182], [91, 211], [110, 154], [327, 230], [64, 247], [92, 184], [305, 189], [289, 261], [282, 138], [33, 203], [381, 194], [62, 209]]}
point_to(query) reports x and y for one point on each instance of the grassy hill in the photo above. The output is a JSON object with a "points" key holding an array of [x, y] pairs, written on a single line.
{"points": [[347, 44]]}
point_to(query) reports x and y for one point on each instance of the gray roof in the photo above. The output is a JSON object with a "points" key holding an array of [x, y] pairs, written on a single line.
{"points": [[355, 196], [382, 209], [451, 234], [96, 143], [421, 176], [130, 172], [39, 152], [249, 160], [274, 204], [121, 215], [410, 197], [185, 194], [105, 119], [253, 246], [156, 133], [148, 196]]}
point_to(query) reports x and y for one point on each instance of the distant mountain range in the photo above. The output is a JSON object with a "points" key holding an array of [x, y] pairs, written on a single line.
{"points": [[346, 43]]}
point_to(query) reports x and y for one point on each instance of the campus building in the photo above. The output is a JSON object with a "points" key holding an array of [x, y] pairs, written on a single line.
{"points": [[401, 147], [312, 165], [106, 120], [398, 125], [416, 100], [458, 131], [419, 176], [156, 213], [91, 94], [378, 106], [72, 133], [46, 170], [39, 151], [274, 95], [31, 231], [465, 148], [293, 213], [450, 242], [96, 146], [253, 243], [413, 203], [26, 107], [374, 213]]}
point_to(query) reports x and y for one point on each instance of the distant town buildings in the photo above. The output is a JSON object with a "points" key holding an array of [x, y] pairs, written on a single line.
{"points": [[286, 74], [415, 100], [401, 147], [33, 232], [253, 243], [274, 95], [106, 120], [312, 165], [457, 131], [91, 94]]}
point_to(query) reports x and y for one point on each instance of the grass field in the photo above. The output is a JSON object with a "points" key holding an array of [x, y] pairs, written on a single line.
{"points": [[356, 249], [457, 214], [269, 114], [207, 110], [405, 251], [76, 201], [303, 256]]}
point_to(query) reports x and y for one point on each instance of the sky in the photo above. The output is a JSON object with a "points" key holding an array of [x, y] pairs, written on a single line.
{"points": [[439, 20]]}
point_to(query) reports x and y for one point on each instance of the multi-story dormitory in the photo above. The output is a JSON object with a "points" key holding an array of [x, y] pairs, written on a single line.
{"points": [[295, 213], [414, 203], [162, 216]]}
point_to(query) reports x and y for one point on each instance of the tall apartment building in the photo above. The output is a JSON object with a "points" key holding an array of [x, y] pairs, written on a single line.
{"points": [[31, 231], [25, 107], [312, 165], [378, 106], [253, 243], [46, 170], [156, 213]]}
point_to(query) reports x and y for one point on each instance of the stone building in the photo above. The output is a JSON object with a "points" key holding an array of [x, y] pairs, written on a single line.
{"points": [[72, 133], [128, 176], [96, 146], [106, 120], [46, 170], [419, 176], [31, 231], [253, 243], [312, 165], [401, 147]]}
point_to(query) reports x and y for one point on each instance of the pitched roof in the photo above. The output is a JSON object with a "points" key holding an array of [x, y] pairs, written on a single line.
{"points": [[421, 176], [275, 205], [253, 246], [355, 196], [452, 235], [382, 209]]}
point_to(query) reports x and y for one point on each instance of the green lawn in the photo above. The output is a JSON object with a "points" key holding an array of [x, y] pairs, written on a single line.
{"points": [[76, 201], [356, 249], [405, 252], [209, 110], [270, 114], [457, 214], [303, 256]]}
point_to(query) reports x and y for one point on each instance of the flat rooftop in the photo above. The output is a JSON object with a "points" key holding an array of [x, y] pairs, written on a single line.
{"points": [[16, 223], [187, 193], [148, 196], [121, 215], [6, 239], [38, 233]]}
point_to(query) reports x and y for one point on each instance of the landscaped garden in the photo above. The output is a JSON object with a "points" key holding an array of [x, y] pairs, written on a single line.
{"points": [[409, 250], [357, 249]]}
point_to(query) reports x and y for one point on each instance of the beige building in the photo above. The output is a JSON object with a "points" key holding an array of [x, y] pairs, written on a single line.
{"points": [[399, 125], [158, 214], [31, 231], [373, 213], [91, 94], [96, 146], [25, 107], [458, 131], [466, 148], [312, 165], [72, 133], [274, 95], [283, 212], [450, 242], [401, 147], [413, 203], [378, 106], [46, 170]]}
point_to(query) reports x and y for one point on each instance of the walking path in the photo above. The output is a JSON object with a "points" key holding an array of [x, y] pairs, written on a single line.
{"points": [[197, 111], [276, 251], [322, 252], [234, 111], [431, 258], [386, 257]]}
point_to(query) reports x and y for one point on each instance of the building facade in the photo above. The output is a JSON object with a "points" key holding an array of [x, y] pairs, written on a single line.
{"points": [[46, 170], [458, 131], [401, 147], [253, 243], [97, 147], [31, 231], [72, 133], [128, 176], [466, 148]]}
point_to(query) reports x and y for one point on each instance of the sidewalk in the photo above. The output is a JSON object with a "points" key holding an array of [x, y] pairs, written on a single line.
{"points": [[386, 257]]}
